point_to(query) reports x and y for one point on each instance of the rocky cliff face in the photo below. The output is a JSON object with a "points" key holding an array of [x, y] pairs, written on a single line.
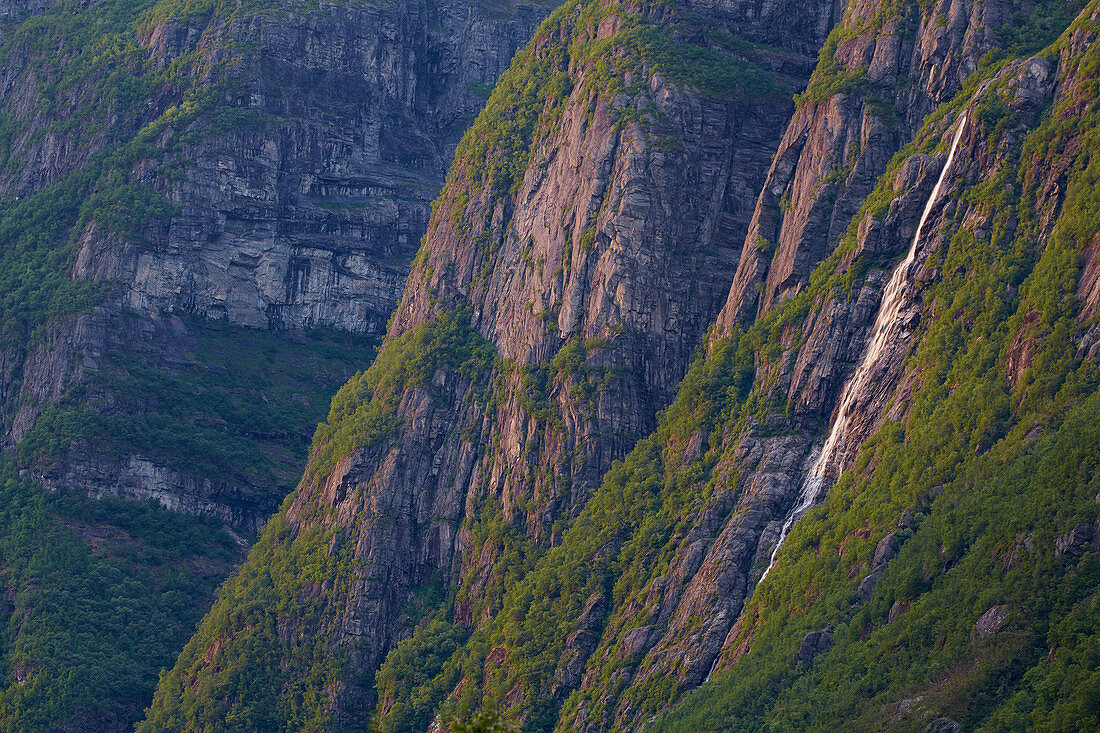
{"points": [[588, 234], [691, 624], [293, 173], [308, 213], [882, 73], [207, 212], [586, 237]]}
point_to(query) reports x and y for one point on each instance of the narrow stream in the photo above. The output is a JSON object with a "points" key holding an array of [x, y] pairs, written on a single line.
{"points": [[882, 333]]}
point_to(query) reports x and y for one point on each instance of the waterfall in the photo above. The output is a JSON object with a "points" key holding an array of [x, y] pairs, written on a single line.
{"points": [[882, 333]]}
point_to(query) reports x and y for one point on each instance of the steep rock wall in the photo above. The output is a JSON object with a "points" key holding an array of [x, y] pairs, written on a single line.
{"points": [[455, 484], [637, 606], [586, 237], [293, 154], [882, 71]]}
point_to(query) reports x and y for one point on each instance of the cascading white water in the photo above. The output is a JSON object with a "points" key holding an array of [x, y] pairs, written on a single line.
{"points": [[882, 333]]}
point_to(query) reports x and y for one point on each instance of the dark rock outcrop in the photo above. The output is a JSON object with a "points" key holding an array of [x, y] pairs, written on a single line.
{"points": [[813, 644], [991, 621], [1073, 543]]}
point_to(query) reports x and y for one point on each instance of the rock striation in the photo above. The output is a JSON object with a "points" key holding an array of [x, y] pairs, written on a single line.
{"points": [[590, 254], [293, 201], [542, 499]]}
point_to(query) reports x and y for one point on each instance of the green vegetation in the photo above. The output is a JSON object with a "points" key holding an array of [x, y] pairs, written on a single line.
{"points": [[1031, 32], [831, 77], [617, 545], [717, 70], [496, 148], [271, 674], [485, 722], [420, 674], [966, 463], [100, 595], [273, 623], [93, 72], [994, 471], [35, 285], [991, 466], [530, 97], [364, 411], [987, 540], [241, 410], [1028, 32], [39, 237]]}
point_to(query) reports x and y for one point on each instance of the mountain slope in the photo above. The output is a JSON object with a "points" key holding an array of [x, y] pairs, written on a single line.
{"points": [[173, 170], [648, 587], [585, 239], [207, 212], [453, 521], [100, 595], [952, 568]]}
